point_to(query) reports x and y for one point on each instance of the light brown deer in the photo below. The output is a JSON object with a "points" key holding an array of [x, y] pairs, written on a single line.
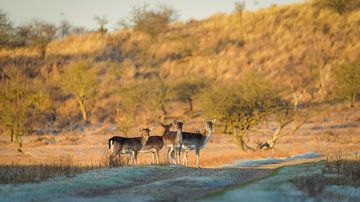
{"points": [[196, 141], [123, 145], [155, 144], [173, 139]]}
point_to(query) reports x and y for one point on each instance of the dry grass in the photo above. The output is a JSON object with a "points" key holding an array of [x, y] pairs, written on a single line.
{"points": [[345, 167], [37, 171]]}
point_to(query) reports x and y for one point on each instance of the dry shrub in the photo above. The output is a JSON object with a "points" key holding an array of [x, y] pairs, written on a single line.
{"points": [[58, 166], [346, 168]]}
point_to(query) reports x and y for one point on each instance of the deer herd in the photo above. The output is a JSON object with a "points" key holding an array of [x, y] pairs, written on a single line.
{"points": [[176, 141]]}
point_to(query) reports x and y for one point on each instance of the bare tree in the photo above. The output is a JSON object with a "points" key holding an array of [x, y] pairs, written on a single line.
{"points": [[101, 21]]}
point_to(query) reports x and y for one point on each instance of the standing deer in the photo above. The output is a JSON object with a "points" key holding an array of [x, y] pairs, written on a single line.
{"points": [[155, 144], [132, 146], [196, 141], [173, 139]]}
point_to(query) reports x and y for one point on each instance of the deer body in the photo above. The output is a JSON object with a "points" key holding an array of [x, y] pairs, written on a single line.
{"points": [[132, 146], [172, 139], [153, 145], [196, 141]]}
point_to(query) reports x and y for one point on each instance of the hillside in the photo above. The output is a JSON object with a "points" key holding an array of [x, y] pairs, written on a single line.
{"points": [[296, 46]]}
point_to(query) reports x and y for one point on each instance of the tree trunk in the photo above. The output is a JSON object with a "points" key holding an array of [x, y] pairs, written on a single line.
{"points": [[240, 139], [82, 108], [12, 135], [163, 110], [190, 103]]}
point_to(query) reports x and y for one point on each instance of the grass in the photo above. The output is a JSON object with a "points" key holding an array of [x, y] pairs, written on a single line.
{"points": [[38, 171], [338, 170]]}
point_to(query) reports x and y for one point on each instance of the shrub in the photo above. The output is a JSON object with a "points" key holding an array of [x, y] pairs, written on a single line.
{"points": [[347, 79]]}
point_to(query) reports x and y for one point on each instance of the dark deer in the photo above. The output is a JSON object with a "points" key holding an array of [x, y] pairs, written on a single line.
{"points": [[155, 144], [123, 145]]}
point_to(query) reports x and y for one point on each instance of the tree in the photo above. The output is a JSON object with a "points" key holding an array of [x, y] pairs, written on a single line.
{"points": [[101, 21], [159, 93], [150, 21], [39, 35], [347, 78], [20, 103], [131, 98], [340, 6], [186, 90], [5, 29], [64, 28], [80, 81], [239, 10], [243, 105]]}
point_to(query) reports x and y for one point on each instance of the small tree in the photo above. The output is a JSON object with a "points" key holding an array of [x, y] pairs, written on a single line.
{"points": [[186, 90], [243, 105], [5, 30], [20, 103], [159, 93], [80, 81], [239, 10], [101, 21], [39, 35], [347, 79], [150, 21], [64, 28], [340, 6]]}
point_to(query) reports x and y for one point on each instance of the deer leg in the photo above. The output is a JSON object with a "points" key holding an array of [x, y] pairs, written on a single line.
{"points": [[153, 157], [179, 153], [157, 156], [197, 156], [185, 158], [135, 157]]}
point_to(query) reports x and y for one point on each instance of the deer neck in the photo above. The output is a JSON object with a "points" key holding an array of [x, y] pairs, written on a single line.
{"points": [[179, 136], [143, 140]]}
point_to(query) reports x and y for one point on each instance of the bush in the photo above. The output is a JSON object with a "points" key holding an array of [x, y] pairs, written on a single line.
{"points": [[347, 78], [150, 21]]}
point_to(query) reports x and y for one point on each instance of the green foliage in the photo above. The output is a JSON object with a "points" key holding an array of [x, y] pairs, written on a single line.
{"points": [[21, 101], [340, 6], [151, 21], [347, 79], [185, 91], [5, 29], [242, 105], [81, 81]]}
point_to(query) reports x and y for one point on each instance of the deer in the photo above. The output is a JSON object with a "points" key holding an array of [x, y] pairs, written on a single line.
{"points": [[195, 141], [172, 139], [155, 144], [124, 145]]}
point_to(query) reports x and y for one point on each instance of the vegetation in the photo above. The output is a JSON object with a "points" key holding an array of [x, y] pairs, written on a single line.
{"points": [[347, 79], [80, 81], [21, 100], [161, 62], [340, 6], [150, 21]]}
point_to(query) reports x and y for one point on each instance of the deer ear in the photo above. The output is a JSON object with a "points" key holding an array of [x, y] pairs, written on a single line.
{"points": [[214, 120], [139, 129], [163, 125], [204, 121], [175, 121], [151, 128]]}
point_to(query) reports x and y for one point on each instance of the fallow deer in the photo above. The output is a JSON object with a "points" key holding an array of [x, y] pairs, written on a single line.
{"points": [[173, 139], [132, 146], [196, 141], [156, 143]]}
